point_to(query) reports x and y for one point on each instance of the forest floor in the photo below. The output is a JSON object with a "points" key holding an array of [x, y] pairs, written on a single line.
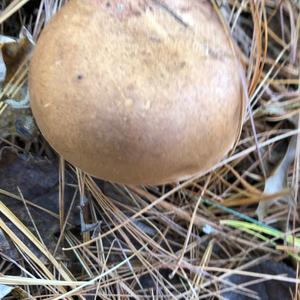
{"points": [[232, 233]]}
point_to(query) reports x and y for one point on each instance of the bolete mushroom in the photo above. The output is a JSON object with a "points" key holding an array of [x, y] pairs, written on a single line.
{"points": [[137, 91]]}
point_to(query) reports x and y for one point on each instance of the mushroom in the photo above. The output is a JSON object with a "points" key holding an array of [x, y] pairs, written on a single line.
{"points": [[137, 91]]}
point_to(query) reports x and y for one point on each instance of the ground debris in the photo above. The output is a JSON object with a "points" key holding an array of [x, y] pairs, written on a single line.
{"points": [[265, 290], [35, 180]]}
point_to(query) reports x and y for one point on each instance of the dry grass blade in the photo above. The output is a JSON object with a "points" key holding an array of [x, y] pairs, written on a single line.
{"points": [[5, 211], [14, 6], [16, 280], [92, 281]]}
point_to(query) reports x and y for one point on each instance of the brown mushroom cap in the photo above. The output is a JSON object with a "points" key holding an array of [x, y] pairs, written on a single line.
{"points": [[135, 91]]}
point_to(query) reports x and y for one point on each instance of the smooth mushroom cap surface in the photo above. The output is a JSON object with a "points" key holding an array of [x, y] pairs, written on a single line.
{"points": [[137, 92]]}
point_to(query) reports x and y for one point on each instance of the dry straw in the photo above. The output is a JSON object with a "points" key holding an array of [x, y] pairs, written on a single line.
{"points": [[181, 241]]}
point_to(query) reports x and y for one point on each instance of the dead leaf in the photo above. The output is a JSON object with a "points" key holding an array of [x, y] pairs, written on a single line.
{"points": [[4, 290], [37, 179], [14, 59], [276, 182], [267, 290]]}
